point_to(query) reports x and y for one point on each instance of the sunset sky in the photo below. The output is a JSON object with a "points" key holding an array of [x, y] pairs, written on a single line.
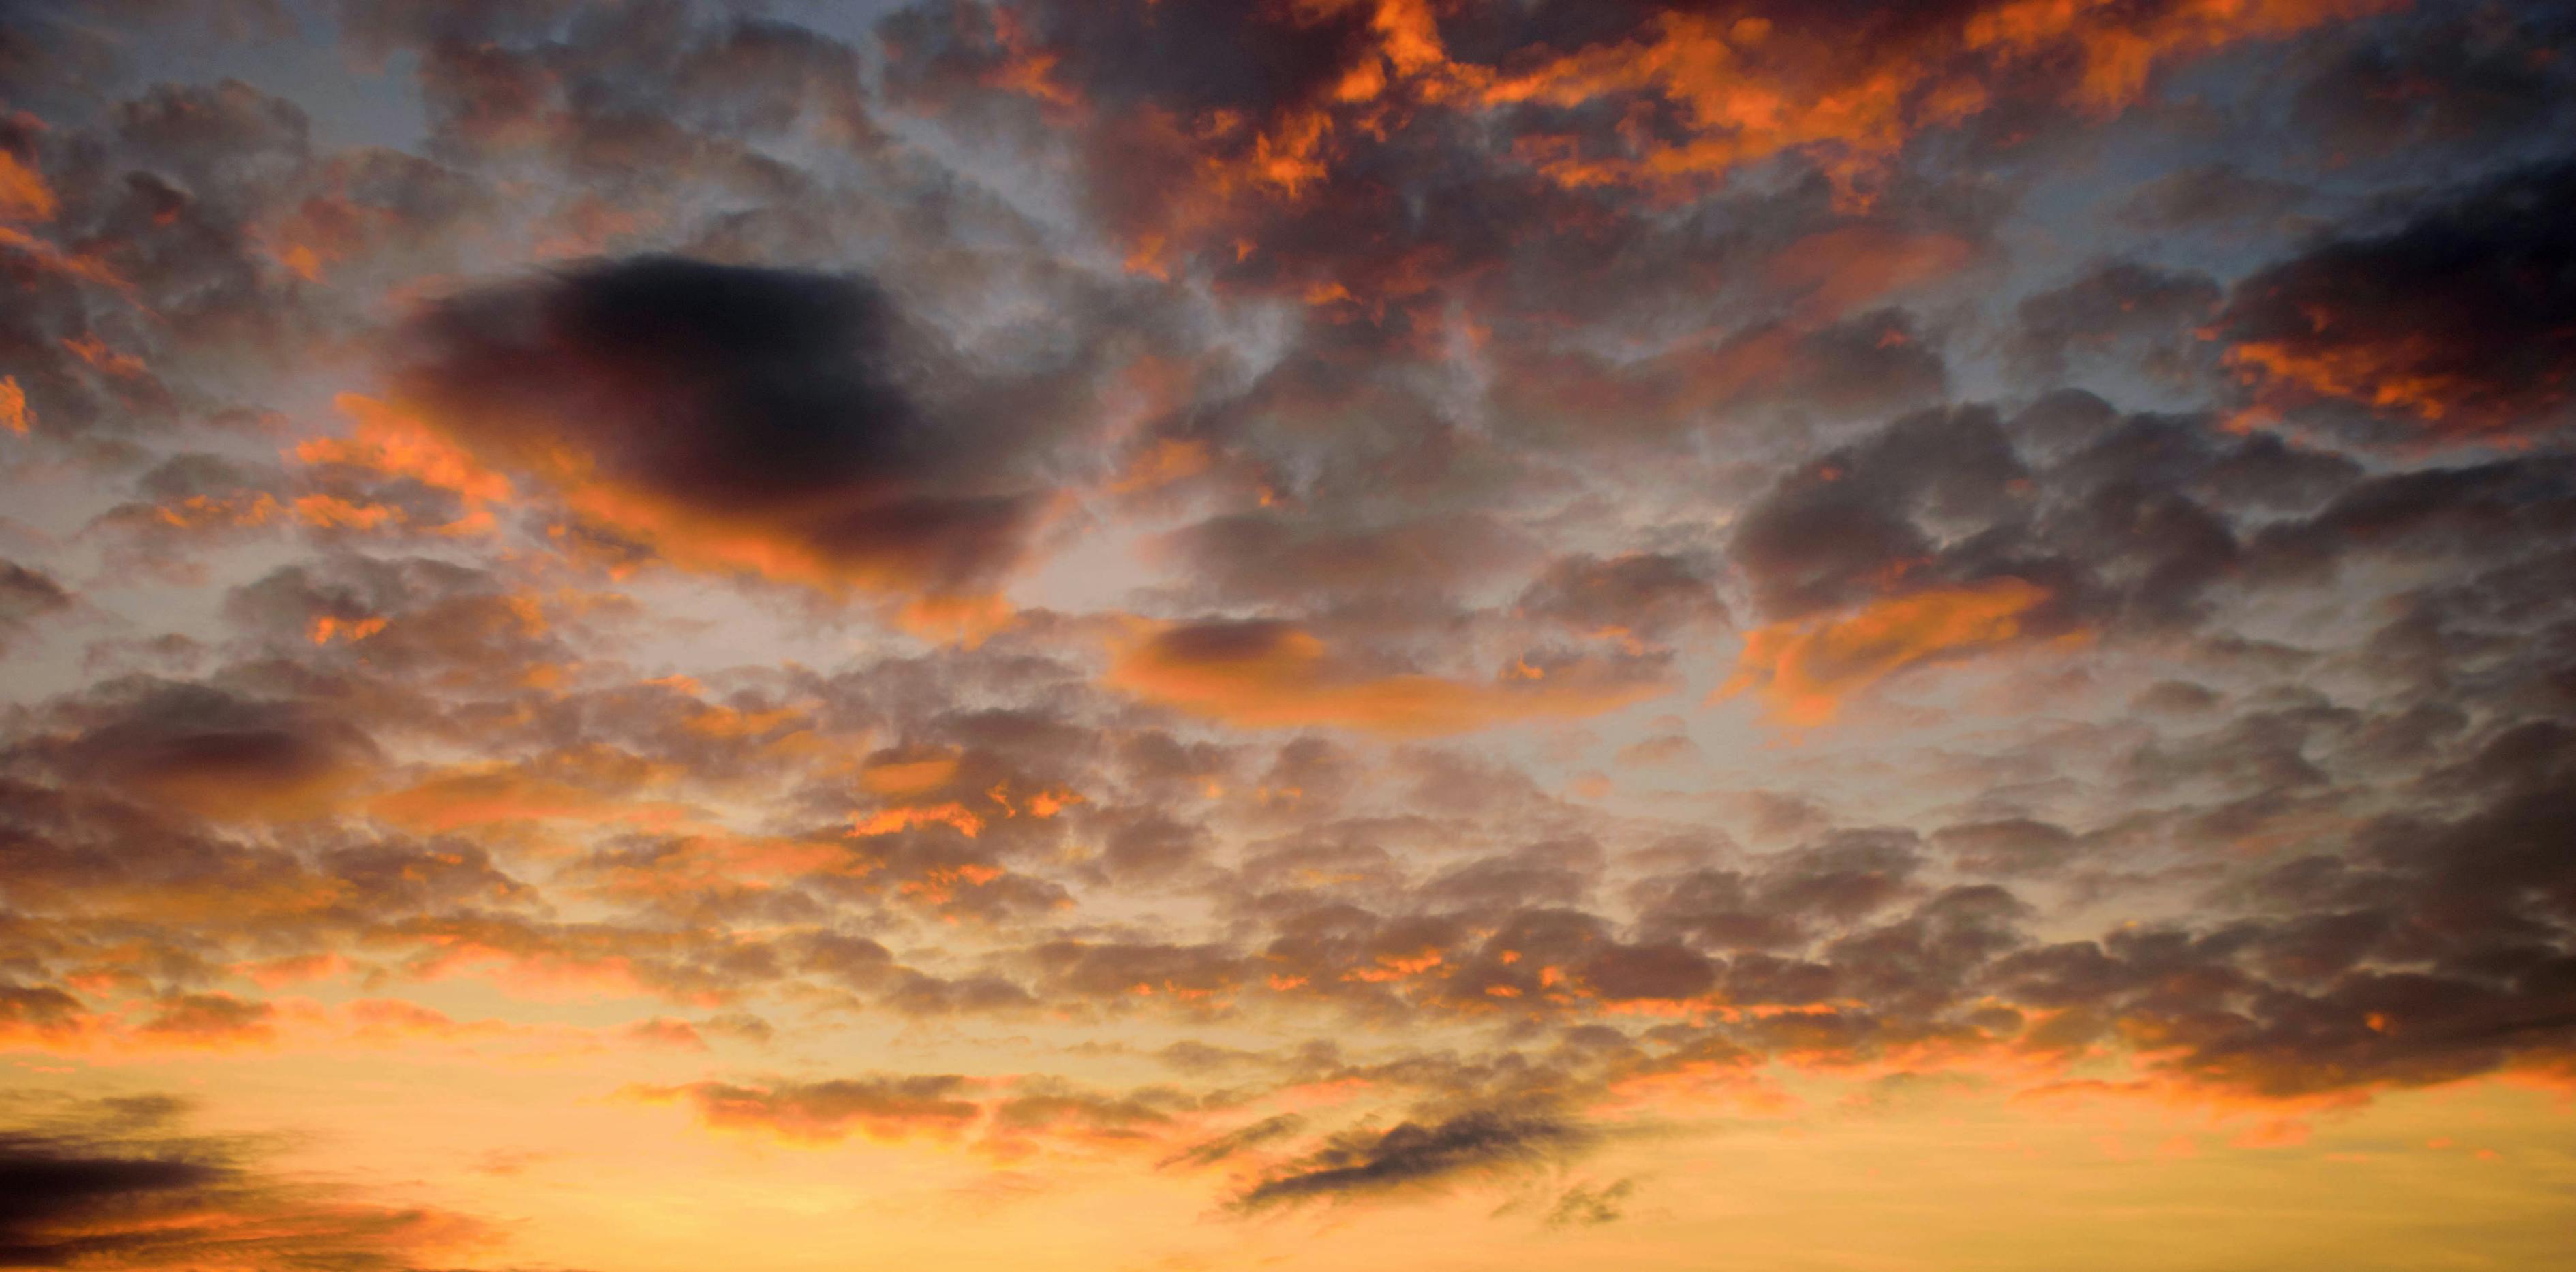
{"points": [[1175, 635]]}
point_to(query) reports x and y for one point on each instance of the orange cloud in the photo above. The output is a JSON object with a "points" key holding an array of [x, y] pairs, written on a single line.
{"points": [[94, 351], [1752, 89], [45, 256], [819, 1113], [1165, 462], [326, 628], [2415, 373], [392, 443], [570, 962], [1842, 270], [908, 777], [595, 785], [24, 196], [212, 1022], [1697, 96], [14, 415], [277, 973], [1264, 674], [707, 863], [888, 821], [2119, 46], [1804, 670], [1748, 91]]}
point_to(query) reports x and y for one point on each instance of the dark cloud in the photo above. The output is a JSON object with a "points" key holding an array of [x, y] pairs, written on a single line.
{"points": [[2456, 323], [2014, 847], [1271, 558], [750, 419], [2212, 195], [1647, 595], [2475, 511], [1210, 1151], [1477, 1144], [209, 751], [1845, 528], [114, 1183], [25, 596], [2446, 78], [1585, 1205], [2121, 302]]}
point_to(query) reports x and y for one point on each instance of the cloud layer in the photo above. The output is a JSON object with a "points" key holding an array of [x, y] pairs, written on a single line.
{"points": [[1368, 632]]}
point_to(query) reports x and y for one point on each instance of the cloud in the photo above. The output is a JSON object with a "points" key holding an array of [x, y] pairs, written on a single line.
{"points": [[25, 596], [2209, 195], [1335, 418], [1805, 671], [1266, 557], [212, 752], [1860, 522], [112, 1183], [1636, 595], [783, 423], [1585, 1205], [1208, 1152], [2457, 324], [1418, 1156], [1272, 674], [886, 1108], [2119, 302]]}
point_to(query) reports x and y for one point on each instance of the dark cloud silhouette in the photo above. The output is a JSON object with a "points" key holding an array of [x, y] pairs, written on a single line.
{"points": [[1586, 1205], [1210, 1151], [699, 406], [115, 1183], [25, 596], [2456, 323], [1358, 1165]]}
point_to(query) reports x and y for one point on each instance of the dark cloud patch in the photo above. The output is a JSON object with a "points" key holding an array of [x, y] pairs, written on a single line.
{"points": [[1551, 872], [1423, 1156], [1871, 363], [1645, 595], [1266, 557], [2013, 847], [114, 1183], [913, 993], [618, 104], [1786, 899], [2121, 306], [2210, 196], [2477, 511], [753, 419], [1208, 1152], [208, 750], [2269, 473], [2460, 323], [27, 595], [1587, 1205], [412, 619], [1109, 971], [2443, 79], [1849, 526]]}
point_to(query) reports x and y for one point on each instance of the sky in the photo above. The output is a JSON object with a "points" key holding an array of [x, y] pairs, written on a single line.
{"points": [[1173, 635]]}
